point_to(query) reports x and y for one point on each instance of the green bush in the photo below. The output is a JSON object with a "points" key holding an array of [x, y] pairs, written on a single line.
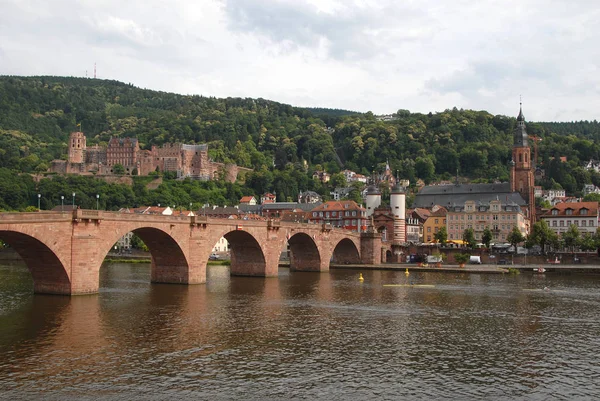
{"points": [[462, 258]]}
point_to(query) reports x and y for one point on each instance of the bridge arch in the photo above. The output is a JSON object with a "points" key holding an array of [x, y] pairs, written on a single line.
{"points": [[49, 272], [168, 259], [247, 256], [346, 252], [304, 253]]}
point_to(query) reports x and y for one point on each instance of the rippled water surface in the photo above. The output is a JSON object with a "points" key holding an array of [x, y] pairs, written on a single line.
{"points": [[303, 336]]}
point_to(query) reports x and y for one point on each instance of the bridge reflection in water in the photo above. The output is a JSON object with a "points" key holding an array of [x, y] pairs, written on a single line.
{"points": [[64, 251], [303, 335]]}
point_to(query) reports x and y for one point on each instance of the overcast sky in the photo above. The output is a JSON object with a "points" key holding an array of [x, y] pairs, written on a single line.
{"points": [[381, 55]]}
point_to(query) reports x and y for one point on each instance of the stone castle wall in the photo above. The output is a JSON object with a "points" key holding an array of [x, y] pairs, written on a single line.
{"points": [[186, 160]]}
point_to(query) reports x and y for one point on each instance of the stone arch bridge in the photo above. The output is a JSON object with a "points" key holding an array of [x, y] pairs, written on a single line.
{"points": [[64, 250]]}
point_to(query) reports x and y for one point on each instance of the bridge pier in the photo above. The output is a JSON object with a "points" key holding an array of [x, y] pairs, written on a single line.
{"points": [[370, 248]]}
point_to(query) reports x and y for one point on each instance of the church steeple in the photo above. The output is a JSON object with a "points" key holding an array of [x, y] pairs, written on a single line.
{"points": [[521, 117], [520, 136], [521, 175]]}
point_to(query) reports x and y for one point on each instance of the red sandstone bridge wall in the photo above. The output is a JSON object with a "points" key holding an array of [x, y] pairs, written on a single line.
{"points": [[65, 251]]}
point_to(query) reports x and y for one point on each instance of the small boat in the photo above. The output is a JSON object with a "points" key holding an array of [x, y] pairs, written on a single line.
{"points": [[539, 269]]}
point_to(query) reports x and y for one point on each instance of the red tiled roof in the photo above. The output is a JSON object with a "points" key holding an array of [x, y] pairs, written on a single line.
{"points": [[576, 207], [338, 205], [441, 212], [246, 199]]}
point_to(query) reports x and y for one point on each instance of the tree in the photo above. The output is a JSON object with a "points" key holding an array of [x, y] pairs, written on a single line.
{"points": [[515, 237], [587, 242], [441, 236], [597, 240], [487, 236], [469, 237], [137, 243], [543, 203], [425, 169], [338, 180], [571, 237], [118, 169], [593, 197], [541, 235]]}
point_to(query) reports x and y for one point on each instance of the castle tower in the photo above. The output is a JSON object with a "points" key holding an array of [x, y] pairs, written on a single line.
{"points": [[522, 174], [398, 205], [76, 147], [373, 199]]}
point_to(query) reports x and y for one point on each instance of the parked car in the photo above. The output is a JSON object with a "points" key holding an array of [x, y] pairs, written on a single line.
{"points": [[503, 262], [214, 256]]}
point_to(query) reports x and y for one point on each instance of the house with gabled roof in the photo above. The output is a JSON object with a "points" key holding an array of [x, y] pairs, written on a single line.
{"points": [[345, 214], [583, 215], [248, 200]]}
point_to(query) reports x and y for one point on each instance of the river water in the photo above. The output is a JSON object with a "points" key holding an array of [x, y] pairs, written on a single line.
{"points": [[303, 336]]}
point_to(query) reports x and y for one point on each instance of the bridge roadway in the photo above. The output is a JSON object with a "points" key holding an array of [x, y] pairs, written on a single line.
{"points": [[64, 251]]}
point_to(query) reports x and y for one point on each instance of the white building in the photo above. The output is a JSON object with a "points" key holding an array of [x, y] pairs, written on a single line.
{"points": [[584, 215], [590, 189], [221, 246]]}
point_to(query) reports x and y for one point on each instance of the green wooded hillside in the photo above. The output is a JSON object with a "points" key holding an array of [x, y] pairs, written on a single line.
{"points": [[282, 143]]}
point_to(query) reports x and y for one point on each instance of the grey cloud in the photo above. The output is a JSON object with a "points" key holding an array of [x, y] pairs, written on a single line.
{"points": [[352, 33], [76, 26], [492, 76]]}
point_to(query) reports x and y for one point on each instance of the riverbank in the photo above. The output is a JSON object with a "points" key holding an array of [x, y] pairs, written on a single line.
{"points": [[478, 269]]}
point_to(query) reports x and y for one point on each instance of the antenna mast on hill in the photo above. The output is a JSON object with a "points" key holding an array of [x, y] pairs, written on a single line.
{"points": [[94, 70]]}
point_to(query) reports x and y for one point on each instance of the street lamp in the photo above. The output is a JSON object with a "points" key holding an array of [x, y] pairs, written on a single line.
{"points": [[39, 198], [73, 200], [97, 200], [62, 203]]}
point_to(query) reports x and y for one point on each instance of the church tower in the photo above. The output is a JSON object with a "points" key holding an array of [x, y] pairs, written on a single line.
{"points": [[521, 174]]}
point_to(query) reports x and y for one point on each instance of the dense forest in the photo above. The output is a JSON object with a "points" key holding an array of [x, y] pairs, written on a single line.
{"points": [[283, 144]]}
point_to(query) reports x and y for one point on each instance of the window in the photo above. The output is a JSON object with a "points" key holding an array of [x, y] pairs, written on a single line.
{"points": [[354, 213], [583, 223], [554, 212], [569, 212], [583, 212], [437, 221], [554, 223], [562, 223], [353, 222], [428, 229], [314, 214]]}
